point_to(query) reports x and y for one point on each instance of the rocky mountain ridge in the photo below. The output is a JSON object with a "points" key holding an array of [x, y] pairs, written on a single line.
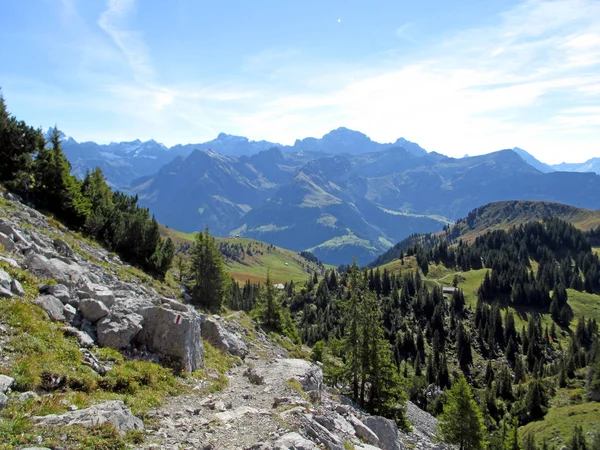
{"points": [[271, 401]]}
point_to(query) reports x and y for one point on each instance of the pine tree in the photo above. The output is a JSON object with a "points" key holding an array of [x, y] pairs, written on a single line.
{"points": [[270, 307], [461, 422], [18, 142], [529, 443], [207, 274]]}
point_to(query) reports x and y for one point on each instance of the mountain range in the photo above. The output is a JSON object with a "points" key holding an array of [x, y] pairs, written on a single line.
{"points": [[340, 196]]}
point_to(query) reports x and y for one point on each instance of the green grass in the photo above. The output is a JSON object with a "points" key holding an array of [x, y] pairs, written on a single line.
{"points": [[39, 352], [215, 360], [557, 426]]}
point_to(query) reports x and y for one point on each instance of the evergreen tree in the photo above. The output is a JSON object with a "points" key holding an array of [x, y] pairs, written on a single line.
{"points": [[207, 274], [18, 142], [269, 307], [577, 441], [461, 422]]}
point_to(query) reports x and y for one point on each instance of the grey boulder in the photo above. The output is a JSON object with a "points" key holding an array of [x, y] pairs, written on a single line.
{"points": [[117, 330], [217, 336], [387, 432], [173, 332], [294, 441], [61, 292], [93, 310], [8, 243], [5, 279], [6, 383], [52, 306], [113, 411], [54, 268], [17, 288], [97, 292]]}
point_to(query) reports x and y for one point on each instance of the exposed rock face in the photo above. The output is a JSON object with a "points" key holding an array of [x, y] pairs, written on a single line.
{"points": [[219, 337], [117, 330], [52, 306], [114, 412], [173, 331]]}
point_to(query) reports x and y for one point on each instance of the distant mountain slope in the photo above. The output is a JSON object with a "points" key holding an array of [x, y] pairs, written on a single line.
{"points": [[345, 206], [498, 216], [209, 189], [591, 165], [532, 161], [343, 140], [124, 162]]}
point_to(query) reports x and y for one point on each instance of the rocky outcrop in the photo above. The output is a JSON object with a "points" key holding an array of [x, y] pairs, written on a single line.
{"points": [[216, 334], [114, 412], [173, 331], [101, 308]]}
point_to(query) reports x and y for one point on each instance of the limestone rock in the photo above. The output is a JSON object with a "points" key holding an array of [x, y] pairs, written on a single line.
{"points": [[63, 248], [83, 338], [172, 331], [113, 411], [93, 310], [8, 243], [293, 441], [54, 268], [69, 313], [5, 293], [216, 335], [362, 431], [97, 292], [117, 330], [386, 430], [52, 306], [6, 383], [16, 288], [323, 435], [3, 401], [5, 280], [61, 292]]}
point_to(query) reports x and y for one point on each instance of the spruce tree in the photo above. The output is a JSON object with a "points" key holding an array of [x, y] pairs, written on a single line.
{"points": [[207, 277], [461, 422]]}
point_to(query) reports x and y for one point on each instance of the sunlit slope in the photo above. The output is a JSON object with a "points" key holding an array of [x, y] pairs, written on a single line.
{"points": [[249, 259]]}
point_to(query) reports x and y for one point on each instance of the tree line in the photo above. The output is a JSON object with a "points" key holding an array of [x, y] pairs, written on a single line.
{"points": [[35, 167]]}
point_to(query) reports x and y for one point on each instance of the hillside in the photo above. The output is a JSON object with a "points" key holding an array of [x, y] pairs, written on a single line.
{"points": [[499, 216], [248, 259], [96, 354]]}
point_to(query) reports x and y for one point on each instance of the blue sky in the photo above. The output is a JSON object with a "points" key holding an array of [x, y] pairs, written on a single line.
{"points": [[456, 77]]}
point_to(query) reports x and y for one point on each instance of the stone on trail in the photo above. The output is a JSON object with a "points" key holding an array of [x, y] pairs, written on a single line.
{"points": [[113, 411]]}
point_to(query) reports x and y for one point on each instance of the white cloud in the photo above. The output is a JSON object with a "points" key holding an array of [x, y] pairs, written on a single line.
{"points": [[531, 79]]}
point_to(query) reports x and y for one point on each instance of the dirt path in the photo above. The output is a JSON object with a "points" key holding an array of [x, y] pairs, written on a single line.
{"points": [[235, 418]]}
